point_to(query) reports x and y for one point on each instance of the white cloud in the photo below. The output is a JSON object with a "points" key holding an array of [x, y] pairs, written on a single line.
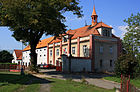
{"points": [[123, 29]]}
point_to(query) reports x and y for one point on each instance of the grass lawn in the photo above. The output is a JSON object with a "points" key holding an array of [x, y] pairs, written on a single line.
{"points": [[13, 82], [135, 82], [71, 86]]}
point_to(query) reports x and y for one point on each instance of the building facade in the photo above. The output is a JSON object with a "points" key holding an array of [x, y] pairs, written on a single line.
{"points": [[95, 41]]}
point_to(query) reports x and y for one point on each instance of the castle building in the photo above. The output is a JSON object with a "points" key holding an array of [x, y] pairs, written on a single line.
{"points": [[95, 41]]}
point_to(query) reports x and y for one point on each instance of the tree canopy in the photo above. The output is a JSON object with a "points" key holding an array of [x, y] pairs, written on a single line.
{"points": [[132, 37], [5, 57], [30, 19]]}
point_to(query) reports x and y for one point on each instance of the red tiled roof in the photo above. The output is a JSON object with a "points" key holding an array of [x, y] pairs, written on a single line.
{"points": [[84, 31], [42, 43], [18, 53]]}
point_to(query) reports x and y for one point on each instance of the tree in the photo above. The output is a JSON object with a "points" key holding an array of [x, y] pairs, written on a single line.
{"points": [[132, 37], [30, 19], [5, 57], [129, 62]]}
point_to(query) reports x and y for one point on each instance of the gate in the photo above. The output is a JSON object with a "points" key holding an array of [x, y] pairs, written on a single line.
{"points": [[59, 66], [126, 86]]}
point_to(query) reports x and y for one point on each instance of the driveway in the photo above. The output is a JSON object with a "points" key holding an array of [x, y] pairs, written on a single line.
{"points": [[91, 78]]}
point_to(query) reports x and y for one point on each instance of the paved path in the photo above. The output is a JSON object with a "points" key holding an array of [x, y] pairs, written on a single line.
{"points": [[94, 79]]}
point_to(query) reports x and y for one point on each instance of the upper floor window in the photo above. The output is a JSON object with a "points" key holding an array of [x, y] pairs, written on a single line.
{"points": [[40, 50], [57, 52], [101, 49], [85, 50], [50, 52], [106, 33], [44, 49], [111, 49], [73, 50]]}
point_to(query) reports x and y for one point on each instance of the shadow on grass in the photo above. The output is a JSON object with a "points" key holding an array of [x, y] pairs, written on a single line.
{"points": [[27, 79]]}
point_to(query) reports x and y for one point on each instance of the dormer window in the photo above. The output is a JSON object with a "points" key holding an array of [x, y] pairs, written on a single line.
{"points": [[106, 33]]}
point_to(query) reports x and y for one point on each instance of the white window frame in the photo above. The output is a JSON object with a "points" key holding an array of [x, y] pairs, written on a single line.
{"points": [[73, 50], [57, 52]]}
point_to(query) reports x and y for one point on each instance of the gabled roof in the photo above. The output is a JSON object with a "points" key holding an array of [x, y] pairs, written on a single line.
{"points": [[18, 53], [42, 43]]}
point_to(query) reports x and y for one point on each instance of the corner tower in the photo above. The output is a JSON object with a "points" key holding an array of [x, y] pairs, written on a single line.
{"points": [[94, 17]]}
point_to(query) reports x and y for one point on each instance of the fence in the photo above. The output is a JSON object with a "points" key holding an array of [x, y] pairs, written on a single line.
{"points": [[16, 68], [126, 86]]}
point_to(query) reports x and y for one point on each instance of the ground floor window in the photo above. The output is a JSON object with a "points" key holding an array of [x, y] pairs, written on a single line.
{"points": [[110, 63], [101, 63]]}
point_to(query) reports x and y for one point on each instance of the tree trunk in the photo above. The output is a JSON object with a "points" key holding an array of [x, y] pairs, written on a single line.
{"points": [[33, 60]]}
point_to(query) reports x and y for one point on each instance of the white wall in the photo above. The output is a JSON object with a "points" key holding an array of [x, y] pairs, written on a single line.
{"points": [[41, 56]]}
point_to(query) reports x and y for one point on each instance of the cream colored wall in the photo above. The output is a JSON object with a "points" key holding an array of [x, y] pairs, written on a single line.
{"points": [[81, 48]]}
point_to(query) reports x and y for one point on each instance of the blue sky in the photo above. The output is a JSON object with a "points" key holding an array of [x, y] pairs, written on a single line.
{"points": [[111, 12]]}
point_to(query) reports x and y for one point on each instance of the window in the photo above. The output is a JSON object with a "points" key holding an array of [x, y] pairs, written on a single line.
{"points": [[40, 50], [73, 50], [44, 49], [65, 50], [36, 50], [40, 55], [110, 63], [106, 33], [111, 49], [85, 50], [101, 49], [57, 52], [50, 52], [101, 63], [44, 55]]}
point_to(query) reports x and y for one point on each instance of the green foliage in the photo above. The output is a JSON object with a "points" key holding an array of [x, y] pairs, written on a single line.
{"points": [[5, 57], [127, 65], [129, 62], [30, 19], [132, 37]]}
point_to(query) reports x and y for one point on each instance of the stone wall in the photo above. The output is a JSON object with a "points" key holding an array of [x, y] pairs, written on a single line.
{"points": [[78, 64]]}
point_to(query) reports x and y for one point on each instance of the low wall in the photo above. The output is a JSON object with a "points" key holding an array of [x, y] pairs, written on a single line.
{"points": [[78, 64]]}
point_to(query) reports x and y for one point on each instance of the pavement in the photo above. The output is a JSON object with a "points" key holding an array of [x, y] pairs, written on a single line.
{"points": [[91, 78]]}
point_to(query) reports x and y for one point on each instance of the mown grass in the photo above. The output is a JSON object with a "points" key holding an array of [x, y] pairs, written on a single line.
{"points": [[71, 86], [135, 81], [14, 82]]}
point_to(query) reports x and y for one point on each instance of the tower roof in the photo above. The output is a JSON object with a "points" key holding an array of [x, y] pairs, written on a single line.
{"points": [[94, 11]]}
